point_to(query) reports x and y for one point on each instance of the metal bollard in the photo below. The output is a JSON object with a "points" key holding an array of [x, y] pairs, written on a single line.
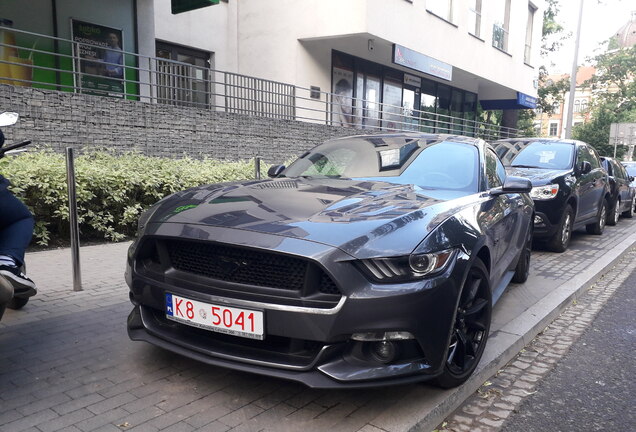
{"points": [[74, 225], [257, 168]]}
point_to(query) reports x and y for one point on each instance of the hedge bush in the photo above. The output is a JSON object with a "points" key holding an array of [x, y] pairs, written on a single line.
{"points": [[112, 190]]}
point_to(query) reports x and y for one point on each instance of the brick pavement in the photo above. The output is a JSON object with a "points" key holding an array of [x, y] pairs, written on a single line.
{"points": [[66, 362], [488, 409]]}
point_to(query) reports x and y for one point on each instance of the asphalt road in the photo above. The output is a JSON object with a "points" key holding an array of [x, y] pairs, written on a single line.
{"points": [[592, 388]]}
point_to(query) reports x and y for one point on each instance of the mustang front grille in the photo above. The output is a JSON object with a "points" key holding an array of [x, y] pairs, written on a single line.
{"points": [[249, 267]]}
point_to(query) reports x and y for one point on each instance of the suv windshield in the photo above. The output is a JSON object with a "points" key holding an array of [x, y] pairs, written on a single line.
{"points": [[431, 164], [545, 154]]}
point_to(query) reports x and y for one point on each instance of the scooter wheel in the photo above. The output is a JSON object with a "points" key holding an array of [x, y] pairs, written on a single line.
{"points": [[17, 303]]}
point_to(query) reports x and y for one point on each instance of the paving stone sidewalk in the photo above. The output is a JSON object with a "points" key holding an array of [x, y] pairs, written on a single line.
{"points": [[492, 404], [66, 363]]}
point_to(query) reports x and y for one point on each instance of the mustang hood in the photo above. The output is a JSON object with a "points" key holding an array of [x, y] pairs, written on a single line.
{"points": [[348, 214], [538, 176]]}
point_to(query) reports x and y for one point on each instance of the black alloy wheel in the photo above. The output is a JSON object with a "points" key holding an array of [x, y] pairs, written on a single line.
{"points": [[629, 213], [561, 239], [470, 328], [615, 213], [522, 270], [597, 227]]}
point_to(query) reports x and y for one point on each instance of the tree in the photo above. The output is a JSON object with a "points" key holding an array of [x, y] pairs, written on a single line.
{"points": [[614, 88]]}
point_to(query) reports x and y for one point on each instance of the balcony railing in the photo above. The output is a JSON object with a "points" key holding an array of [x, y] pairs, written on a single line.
{"points": [[60, 64]]}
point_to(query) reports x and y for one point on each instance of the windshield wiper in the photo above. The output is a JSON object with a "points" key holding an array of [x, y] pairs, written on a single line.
{"points": [[525, 166]]}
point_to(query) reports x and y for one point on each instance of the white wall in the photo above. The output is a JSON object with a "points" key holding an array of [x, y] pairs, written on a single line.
{"points": [[211, 29], [291, 40]]}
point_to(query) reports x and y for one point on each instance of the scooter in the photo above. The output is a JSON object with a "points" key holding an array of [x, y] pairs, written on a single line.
{"points": [[8, 297]]}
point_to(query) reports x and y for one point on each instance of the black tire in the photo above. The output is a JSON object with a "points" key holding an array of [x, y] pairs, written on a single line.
{"points": [[630, 213], [614, 213], [17, 303], [470, 328], [597, 227], [522, 270], [560, 241]]}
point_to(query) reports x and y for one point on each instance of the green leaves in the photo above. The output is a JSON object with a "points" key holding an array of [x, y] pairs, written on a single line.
{"points": [[112, 191]]}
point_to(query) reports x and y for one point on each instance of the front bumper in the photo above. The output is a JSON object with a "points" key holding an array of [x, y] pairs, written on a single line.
{"points": [[305, 340]]}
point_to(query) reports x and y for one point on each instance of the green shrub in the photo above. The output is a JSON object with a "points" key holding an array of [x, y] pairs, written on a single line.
{"points": [[112, 191]]}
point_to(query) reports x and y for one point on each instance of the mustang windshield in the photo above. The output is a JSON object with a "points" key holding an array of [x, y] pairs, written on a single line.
{"points": [[430, 164], [545, 154]]}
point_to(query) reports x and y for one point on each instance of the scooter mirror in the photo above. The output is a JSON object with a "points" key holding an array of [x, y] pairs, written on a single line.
{"points": [[8, 118]]}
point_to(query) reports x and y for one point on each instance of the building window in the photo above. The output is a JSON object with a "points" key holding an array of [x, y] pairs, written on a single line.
{"points": [[441, 8], [474, 17], [501, 25], [537, 128], [584, 105], [556, 108], [554, 129], [528, 48], [577, 106], [183, 75]]}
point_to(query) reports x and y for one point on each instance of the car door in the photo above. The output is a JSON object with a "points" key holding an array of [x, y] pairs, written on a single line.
{"points": [[506, 224], [622, 184], [590, 185]]}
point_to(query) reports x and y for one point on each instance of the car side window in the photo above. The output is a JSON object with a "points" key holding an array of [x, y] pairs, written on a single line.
{"points": [[618, 170], [586, 155], [595, 160], [495, 171]]}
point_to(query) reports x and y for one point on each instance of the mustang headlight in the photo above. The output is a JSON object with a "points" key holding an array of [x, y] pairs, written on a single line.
{"points": [[408, 267], [544, 192]]}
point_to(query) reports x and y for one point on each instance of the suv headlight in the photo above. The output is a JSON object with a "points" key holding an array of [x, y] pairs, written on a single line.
{"points": [[408, 267], [544, 192]]}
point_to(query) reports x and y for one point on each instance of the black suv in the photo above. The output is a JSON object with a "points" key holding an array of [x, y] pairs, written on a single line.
{"points": [[570, 187], [621, 193]]}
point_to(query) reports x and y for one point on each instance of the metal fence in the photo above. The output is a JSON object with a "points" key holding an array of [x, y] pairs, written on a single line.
{"points": [[62, 64]]}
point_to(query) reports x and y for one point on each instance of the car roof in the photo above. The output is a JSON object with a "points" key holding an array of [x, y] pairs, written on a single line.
{"points": [[542, 139], [414, 135]]}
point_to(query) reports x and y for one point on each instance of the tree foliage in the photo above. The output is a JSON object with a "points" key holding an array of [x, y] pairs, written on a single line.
{"points": [[614, 88]]}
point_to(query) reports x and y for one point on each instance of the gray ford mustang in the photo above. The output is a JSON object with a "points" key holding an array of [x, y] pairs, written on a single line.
{"points": [[370, 260]]}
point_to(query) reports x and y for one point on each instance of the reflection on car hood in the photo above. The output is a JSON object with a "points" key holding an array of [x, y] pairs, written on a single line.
{"points": [[348, 214], [538, 176]]}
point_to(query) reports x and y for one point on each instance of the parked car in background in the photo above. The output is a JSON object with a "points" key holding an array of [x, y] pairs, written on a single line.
{"points": [[622, 199], [631, 171], [570, 188], [371, 260]]}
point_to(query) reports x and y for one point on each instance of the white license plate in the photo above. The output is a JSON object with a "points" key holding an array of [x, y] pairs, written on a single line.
{"points": [[223, 319]]}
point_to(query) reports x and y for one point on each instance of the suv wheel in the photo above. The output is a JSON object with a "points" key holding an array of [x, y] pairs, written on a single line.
{"points": [[629, 213], [561, 239], [598, 226], [522, 271], [615, 213]]}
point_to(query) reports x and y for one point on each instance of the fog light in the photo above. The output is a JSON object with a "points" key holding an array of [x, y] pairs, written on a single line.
{"points": [[384, 351], [538, 220], [381, 336]]}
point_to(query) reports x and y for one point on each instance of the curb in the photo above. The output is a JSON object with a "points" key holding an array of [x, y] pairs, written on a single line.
{"points": [[434, 405]]}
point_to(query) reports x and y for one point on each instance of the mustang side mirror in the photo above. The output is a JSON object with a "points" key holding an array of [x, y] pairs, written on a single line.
{"points": [[513, 184], [275, 170]]}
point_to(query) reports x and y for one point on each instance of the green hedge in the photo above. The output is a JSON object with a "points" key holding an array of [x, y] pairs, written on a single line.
{"points": [[112, 190]]}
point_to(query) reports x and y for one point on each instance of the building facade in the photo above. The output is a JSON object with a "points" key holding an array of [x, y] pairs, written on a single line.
{"points": [[380, 64], [384, 58], [553, 124]]}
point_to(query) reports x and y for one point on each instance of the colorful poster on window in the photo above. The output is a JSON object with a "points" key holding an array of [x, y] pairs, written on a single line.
{"points": [[99, 63], [342, 98]]}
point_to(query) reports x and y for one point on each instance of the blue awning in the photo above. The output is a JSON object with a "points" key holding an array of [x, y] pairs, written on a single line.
{"points": [[523, 101]]}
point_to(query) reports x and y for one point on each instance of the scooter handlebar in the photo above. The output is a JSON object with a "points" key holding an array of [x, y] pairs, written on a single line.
{"points": [[13, 147]]}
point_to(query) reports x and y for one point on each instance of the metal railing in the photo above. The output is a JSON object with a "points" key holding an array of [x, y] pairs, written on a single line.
{"points": [[60, 64]]}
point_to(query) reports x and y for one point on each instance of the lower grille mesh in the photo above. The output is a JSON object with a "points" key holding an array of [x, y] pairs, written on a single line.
{"points": [[245, 266]]}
